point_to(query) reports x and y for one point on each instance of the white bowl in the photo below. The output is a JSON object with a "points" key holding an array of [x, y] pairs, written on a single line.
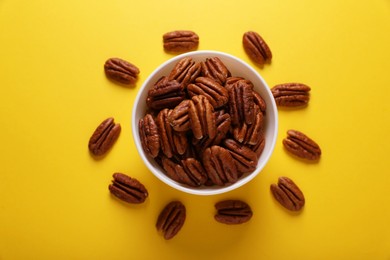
{"points": [[237, 67]]}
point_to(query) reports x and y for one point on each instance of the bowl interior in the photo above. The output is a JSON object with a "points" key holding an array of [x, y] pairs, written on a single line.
{"points": [[237, 67]]}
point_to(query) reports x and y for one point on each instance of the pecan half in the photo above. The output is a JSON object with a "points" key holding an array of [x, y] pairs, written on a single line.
{"points": [[104, 137], [165, 94], [256, 48], [241, 103], [150, 139], [233, 212], [244, 158], [259, 147], [250, 134], [301, 145], [219, 165], [214, 68], [202, 118], [180, 41], [128, 189], [185, 71], [172, 142], [121, 71], [179, 118], [287, 193], [258, 100], [212, 90], [171, 219], [291, 94]]}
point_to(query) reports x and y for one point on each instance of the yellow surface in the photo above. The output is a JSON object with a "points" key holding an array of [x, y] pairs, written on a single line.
{"points": [[54, 200]]}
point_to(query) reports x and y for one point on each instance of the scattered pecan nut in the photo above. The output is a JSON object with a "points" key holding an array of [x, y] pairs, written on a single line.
{"points": [[211, 89], [233, 212], [241, 103], [301, 145], [104, 137], [185, 71], [291, 94], [287, 193], [121, 71], [165, 94], [219, 165], [202, 118], [171, 219], [256, 48], [214, 68], [128, 189], [180, 41], [150, 139]]}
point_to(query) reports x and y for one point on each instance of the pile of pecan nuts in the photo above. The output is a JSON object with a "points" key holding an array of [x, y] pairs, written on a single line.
{"points": [[205, 127]]}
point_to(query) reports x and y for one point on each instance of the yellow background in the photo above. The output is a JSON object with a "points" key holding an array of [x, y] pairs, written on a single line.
{"points": [[54, 200]]}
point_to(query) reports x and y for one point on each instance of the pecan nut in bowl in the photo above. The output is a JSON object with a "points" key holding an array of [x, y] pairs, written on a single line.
{"points": [[202, 118], [233, 212], [180, 41], [244, 158], [241, 103], [104, 137], [211, 89], [288, 194], [150, 137], [171, 219], [185, 71], [128, 189], [214, 68], [121, 71], [300, 145], [165, 94]]}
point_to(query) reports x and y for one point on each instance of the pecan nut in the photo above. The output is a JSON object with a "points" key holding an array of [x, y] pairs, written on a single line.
{"points": [[250, 134], [202, 118], [244, 158], [128, 189], [214, 68], [258, 100], [212, 90], [121, 71], [233, 212], [171, 142], [259, 147], [171, 219], [180, 41], [256, 48], [150, 139], [241, 103], [301, 145], [179, 118], [185, 71], [219, 165], [287, 193], [165, 94], [291, 94], [189, 172], [104, 137]]}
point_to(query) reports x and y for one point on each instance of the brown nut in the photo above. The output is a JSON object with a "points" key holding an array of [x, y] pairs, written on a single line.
{"points": [[256, 48], [219, 165], [179, 118], [212, 90], [301, 145], [165, 94], [291, 94], [104, 137], [202, 118], [121, 71], [172, 142], [171, 219], [150, 139], [215, 69], [180, 41], [259, 147], [258, 100], [250, 134], [244, 158], [185, 71], [233, 212], [128, 189], [287, 193], [241, 103], [190, 171]]}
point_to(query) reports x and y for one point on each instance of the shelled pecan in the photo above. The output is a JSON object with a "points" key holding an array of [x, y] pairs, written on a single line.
{"points": [[301, 145], [165, 94], [291, 94], [104, 137], [150, 138], [202, 118], [171, 219], [244, 158], [214, 68], [121, 70], [241, 103], [185, 71], [211, 89], [288, 194], [180, 41], [233, 212], [256, 48], [128, 189]]}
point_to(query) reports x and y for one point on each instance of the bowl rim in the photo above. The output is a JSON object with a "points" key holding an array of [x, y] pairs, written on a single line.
{"points": [[165, 179]]}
